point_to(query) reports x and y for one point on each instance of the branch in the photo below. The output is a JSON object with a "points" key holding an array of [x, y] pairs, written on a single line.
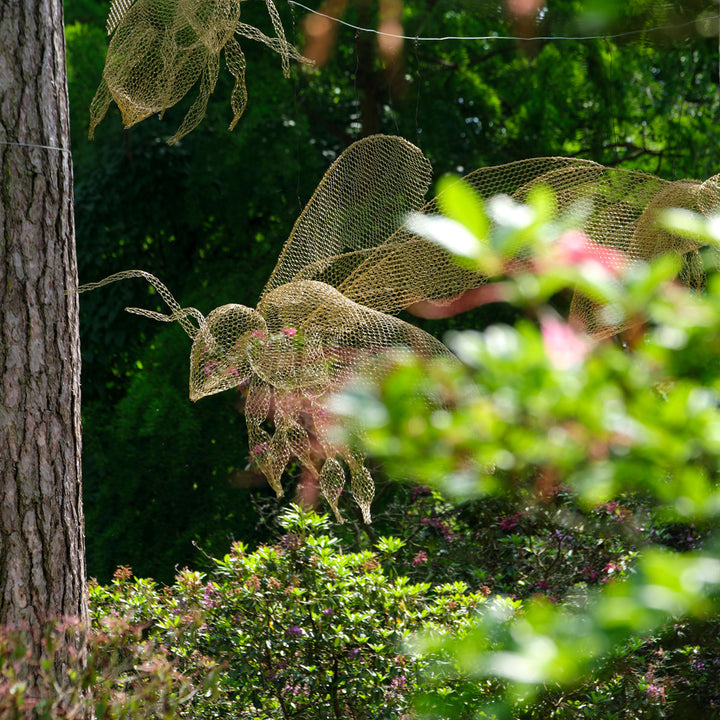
{"points": [[636, 151]]}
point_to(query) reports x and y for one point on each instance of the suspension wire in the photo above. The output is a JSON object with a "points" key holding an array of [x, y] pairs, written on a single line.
{"points": [[33, 145], [501, 37]]}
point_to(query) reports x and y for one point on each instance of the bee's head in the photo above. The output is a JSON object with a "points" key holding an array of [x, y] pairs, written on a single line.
{"points": [[219, 356]]}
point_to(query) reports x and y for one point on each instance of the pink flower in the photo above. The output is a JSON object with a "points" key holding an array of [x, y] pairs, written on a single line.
{"points": [[260, 449], [609, 570], [290, 332], [259, 334], [208, 594], [397, 687], [420, 558], [508, 523], [441, 526], [210, 367], [656, 692], [574, 247], [564, 346]]}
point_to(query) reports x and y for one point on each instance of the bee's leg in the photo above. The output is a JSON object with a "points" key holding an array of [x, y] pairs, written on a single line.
{"points": [[235, 59], [99, 106], [332, 481], [195, 114], [361, 484], [258, 407], [289, 440], [332, 474], [280, 33], [260, 444], [299, 442], [278, 456]]}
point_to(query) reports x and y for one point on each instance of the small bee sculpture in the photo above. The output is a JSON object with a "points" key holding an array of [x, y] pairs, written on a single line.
{"points": [[351, 265], [161, 48]]}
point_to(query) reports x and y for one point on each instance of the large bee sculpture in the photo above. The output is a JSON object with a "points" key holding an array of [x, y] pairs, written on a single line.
{"points": [[351, 265], [160, 49]]}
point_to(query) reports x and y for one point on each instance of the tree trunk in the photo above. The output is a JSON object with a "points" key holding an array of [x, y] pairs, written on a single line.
{"points": [[42, 547]]}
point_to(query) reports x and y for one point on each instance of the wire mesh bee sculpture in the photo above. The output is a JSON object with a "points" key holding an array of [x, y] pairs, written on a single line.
{"points": [[351, 265], [161, 48]]}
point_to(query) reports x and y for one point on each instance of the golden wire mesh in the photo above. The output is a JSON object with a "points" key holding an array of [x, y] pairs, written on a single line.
{"points": [[350, 265], [160, 49], [622, 225]]}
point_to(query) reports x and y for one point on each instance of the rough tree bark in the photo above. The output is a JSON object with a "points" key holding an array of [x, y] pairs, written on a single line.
{"points": [[42, 551]]}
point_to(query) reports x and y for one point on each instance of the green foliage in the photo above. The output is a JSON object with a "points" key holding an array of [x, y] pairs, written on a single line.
{"points": [[296, 629], [537, 410], [304, 628]]}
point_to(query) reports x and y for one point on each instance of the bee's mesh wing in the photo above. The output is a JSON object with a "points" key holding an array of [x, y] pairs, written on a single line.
{"points": [[361, 201], [160, 49], [118, 8], [622, 224]]}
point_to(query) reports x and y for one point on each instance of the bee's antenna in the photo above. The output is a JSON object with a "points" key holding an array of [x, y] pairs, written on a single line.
{"points": [[178, 313]]}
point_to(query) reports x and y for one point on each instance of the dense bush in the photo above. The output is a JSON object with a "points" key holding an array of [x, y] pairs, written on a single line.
{"points": [[296, 629]]}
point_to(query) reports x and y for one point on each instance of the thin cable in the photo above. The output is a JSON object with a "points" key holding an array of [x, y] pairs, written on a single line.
{"points": [[499, 37], [32, 145], [417, 96]]}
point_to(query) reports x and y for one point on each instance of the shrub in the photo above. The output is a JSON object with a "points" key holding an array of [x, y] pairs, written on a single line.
{"points": [[110, 672], [298, 629]]}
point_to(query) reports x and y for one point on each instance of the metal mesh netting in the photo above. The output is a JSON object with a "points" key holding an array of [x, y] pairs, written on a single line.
{"points": [[623, 223], [160, 49], [350, 265]]}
